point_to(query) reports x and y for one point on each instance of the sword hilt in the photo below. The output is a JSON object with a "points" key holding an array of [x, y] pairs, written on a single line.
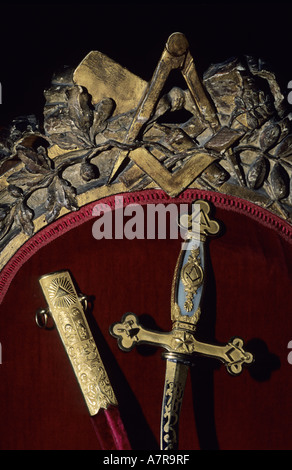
{"points": [[189, 274], [187, 292]]}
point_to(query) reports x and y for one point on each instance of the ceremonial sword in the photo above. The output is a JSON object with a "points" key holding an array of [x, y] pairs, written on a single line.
{"points": [[67, 310], [181, 344]]}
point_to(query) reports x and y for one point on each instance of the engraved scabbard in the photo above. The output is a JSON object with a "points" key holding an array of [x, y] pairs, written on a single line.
{"points": [[66, 309]]}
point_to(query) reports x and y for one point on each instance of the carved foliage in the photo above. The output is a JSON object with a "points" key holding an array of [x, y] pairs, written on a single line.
{"points": [[253, 146]]}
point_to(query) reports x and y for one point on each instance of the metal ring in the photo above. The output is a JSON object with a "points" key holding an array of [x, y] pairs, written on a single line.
{"points": [[84, 301], [41, 318], [172, 356]]}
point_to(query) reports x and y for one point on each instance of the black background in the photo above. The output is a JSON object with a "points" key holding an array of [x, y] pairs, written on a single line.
{"points": [[37, 40]]}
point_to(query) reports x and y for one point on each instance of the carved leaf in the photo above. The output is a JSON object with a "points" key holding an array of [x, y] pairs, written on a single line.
{"points": [[43, 157], [269, 136], [61, 131], [4, 209], [24, 178], [103, 110], [7, 218], [14, 190], [284, 149], [257, 173], [51, 205], [79, 108], [251, 121], [240, 105], [279, 181], [24, 219], [66, 195], [36, 162], [60, 194]]}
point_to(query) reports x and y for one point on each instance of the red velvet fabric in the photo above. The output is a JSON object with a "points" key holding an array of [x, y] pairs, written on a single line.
{"points": [[248, 295]]}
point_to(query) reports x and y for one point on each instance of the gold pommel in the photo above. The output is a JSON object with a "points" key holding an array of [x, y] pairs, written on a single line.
{"points": [[66, 309]]}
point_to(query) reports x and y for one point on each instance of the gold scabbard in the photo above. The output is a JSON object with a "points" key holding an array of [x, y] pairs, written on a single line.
{"points": [[65, 307]]}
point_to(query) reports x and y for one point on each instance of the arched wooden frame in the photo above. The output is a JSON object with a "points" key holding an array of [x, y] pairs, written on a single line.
{"points": [[103, 135]]}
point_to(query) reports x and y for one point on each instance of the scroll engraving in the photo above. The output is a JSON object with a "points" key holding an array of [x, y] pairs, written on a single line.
{"points": [[173, 398]]}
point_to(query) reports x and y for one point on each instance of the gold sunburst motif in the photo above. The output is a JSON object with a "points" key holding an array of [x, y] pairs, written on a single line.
{"points": [[61, 292]]}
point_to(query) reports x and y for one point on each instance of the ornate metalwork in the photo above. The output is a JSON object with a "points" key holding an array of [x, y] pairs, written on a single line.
{"points": [[66, 309], [192, 276], [130, 333], [104, 133], [174, 387]]}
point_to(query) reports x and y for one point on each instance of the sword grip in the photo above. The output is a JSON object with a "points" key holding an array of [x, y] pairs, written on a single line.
{"points": [[189, 275]]}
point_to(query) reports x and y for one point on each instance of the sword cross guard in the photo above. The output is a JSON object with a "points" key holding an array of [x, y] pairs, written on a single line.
{"points": [[180, 344]]}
